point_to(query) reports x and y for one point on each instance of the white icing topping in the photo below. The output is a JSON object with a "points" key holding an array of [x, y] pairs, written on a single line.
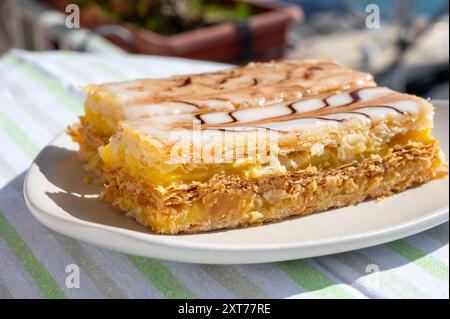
{"points": [[409, 106], [308, 105], [368, 105], [217, 118], [254, 114], [339, 99], [131, 96], [146, 110], [379, 113], [372, 93]]}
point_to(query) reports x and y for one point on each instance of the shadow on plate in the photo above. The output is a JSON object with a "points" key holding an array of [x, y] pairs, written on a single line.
{"points": [[78, 198]]}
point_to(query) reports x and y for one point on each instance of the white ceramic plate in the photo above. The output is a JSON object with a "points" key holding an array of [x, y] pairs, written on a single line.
{"points": [[58, 198]]}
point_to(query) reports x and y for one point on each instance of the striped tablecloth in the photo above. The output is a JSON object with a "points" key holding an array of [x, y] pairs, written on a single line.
{"points": [[40, 96]]}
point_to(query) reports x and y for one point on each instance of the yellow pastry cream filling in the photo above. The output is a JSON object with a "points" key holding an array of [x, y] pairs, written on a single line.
{"points": [[132, 154]]}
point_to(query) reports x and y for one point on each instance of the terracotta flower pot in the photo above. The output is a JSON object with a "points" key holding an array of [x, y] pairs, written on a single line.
{"points": [[261, 37]]}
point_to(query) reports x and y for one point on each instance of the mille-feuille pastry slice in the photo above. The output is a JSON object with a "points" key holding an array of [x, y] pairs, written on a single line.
{"points": [[199, 172], [256, 84]]}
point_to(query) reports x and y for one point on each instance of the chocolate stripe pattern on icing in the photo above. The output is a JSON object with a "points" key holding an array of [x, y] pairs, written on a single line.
{"points": [[367, 104]]}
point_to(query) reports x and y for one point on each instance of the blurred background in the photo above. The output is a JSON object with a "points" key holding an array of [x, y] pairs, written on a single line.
{"points": [[404, 43]]}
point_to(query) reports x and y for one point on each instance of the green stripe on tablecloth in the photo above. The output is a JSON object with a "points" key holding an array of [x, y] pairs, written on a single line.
{"points": [[420, 258], [37, 271], [312, 280], [18, 136], [161, 278], [68, 100], [234, 281]]}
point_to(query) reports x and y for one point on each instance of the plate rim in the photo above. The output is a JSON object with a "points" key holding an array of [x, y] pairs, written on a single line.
{"points": [[329, 245]]}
